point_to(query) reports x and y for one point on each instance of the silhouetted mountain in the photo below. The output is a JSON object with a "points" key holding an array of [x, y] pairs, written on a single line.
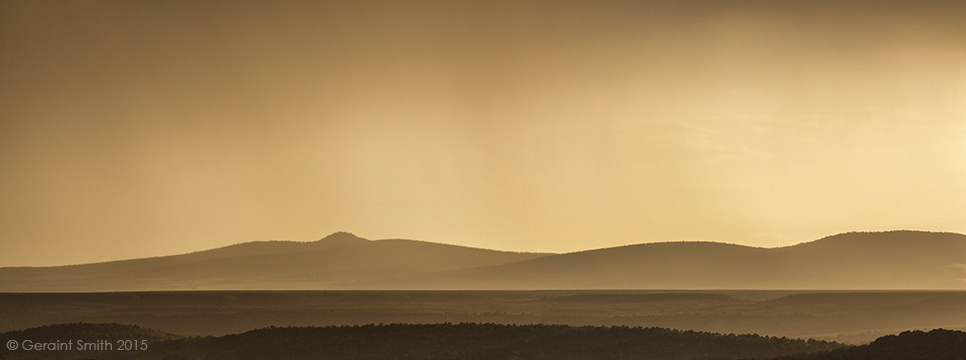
{"points": [[885, 260], [332, 262]]}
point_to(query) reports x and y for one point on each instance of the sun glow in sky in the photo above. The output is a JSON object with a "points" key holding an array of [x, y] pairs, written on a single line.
{"points": [[162, 127]]}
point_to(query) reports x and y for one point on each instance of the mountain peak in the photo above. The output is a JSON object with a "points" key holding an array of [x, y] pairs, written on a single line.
{"points": [[341, 236]]}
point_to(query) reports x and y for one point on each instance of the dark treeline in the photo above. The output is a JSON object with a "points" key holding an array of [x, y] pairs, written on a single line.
{"points": [[477, 341], [88, 331], [489, 341], [437, 341], [937, 344]]}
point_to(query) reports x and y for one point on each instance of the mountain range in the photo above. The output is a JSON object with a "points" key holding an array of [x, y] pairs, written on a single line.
{"points": [[892, 260]]}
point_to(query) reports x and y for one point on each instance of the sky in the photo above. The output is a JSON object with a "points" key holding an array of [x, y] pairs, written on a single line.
{"points": [[147, 128]]}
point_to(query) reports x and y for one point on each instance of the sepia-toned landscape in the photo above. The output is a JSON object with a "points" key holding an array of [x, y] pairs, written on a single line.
{"points": [[343, 280], [429, 179]]}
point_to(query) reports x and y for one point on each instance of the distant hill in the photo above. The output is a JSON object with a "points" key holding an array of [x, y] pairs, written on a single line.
{"points": [[333, 262], [879, 260], [457, 341]]}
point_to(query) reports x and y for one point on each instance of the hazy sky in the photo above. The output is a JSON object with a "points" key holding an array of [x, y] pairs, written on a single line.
{"points": [[143, 128]]}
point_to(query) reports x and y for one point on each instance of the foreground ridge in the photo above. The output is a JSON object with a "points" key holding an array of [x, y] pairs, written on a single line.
{"points": [[938, 344], [455, 341], [478, 341]]}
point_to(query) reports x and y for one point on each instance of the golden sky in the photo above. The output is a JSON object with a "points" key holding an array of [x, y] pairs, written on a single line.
{"points": [[134, 129]]}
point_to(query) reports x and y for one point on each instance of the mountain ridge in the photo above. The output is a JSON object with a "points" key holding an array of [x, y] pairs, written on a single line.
{"points": [[900, 259], [337, 258], [730, 266]]}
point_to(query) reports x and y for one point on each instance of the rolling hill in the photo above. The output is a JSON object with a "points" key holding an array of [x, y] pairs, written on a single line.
{"points": [[851, 261], [870, 261]]}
